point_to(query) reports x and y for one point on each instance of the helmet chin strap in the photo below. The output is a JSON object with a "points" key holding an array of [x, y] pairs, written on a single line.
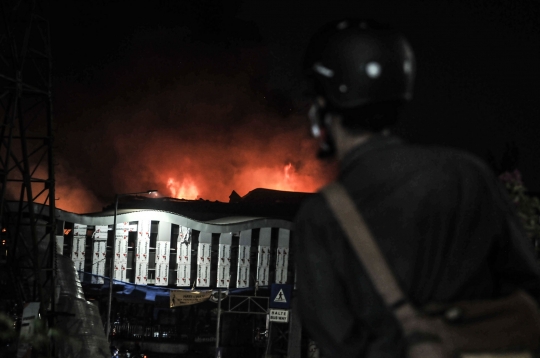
{"points": [[327, 149], [320, 129]]}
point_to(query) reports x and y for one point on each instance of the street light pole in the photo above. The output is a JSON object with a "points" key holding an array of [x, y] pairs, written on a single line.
{"points": [[113, 247]]}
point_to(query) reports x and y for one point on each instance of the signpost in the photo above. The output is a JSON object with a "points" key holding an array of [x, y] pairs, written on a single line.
{"points": [[278, 315]]}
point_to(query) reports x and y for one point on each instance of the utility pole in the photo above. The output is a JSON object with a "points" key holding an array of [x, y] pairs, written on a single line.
{"points": [[26, 155]]}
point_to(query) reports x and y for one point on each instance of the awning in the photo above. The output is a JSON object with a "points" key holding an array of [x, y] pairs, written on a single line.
{"points": [[133, 293]]}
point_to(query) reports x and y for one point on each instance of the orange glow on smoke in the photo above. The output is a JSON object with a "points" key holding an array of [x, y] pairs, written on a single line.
{"points": [[182, 190], [198, 130], [284, 178], [212, 162], [286, 170], [249, 177]]}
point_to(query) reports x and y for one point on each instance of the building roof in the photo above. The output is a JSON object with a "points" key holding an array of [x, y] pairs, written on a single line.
{"points": [[257, 203]]}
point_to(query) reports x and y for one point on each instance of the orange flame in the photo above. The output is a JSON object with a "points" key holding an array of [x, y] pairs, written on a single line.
{"points": [[284, 178], [286, 170], [183, 190], [181, 140], [279, 179]]}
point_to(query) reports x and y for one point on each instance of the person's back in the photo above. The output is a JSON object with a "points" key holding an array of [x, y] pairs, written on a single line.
{"points": [[439, 216], [443, 224]]}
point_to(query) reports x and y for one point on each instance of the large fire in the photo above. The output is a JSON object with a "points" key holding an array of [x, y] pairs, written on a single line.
{"points": [[195, 127], [287, 162], [186, 189], [211, 162], [284, 178]]}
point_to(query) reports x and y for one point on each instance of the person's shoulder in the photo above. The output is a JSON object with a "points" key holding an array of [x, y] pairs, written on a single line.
{"points": [[312, 203], [313, 207], [470, 161], [455, 157]]}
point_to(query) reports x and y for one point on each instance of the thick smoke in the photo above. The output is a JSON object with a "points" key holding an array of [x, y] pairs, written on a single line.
{"points": [[214, 138], [192, 126], [71, 194]]}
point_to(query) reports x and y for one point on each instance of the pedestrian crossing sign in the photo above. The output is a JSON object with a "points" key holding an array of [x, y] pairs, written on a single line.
{"points": [[280, 296]]}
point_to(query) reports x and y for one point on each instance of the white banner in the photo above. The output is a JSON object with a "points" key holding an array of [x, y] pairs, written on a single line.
{"points": [[243, 277], [120, 271], [120, 259], [203, 275], [98, 255], [78, 251], [122, 225], [183, 277], [223, 276], [224, 254], [224, 265], [184, 234], [282, 257], [263, 263], [244, 262], [102, 236], [162, 252], [263, 257], [121, 234], [162, 274], [144, 229], [183, 250], [79, 265], [82, 247], [262, 275], [204, 254], [141, 273], [121, 249], [101, 232], [98, 268], [126, 227], [183, 246], [79, 230], [142, 252], [281, 275], [282, 262], [101, 229], [244, 255]]}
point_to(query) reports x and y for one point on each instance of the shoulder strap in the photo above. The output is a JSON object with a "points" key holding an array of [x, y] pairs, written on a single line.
{"points": [[364, 245]]}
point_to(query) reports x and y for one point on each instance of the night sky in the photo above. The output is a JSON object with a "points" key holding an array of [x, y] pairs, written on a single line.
{"points": [[199, 98]]}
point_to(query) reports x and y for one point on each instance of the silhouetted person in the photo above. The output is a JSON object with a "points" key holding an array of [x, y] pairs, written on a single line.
{"points": [[440, 217]]}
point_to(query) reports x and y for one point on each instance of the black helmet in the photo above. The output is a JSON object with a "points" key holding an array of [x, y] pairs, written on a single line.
{"points": [[357, 62]]}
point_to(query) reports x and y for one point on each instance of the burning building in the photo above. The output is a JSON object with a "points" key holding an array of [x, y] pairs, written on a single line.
{"points": [[238, 249]]}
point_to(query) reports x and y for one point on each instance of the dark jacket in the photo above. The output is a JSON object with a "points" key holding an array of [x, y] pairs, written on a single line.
{"points": [[442, 220]]}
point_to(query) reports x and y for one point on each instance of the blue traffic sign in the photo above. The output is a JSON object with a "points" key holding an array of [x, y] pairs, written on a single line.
{"points": [[280, 295]]}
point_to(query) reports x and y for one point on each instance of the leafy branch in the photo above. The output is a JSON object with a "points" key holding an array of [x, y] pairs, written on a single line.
{"points": [[528, 207]]}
